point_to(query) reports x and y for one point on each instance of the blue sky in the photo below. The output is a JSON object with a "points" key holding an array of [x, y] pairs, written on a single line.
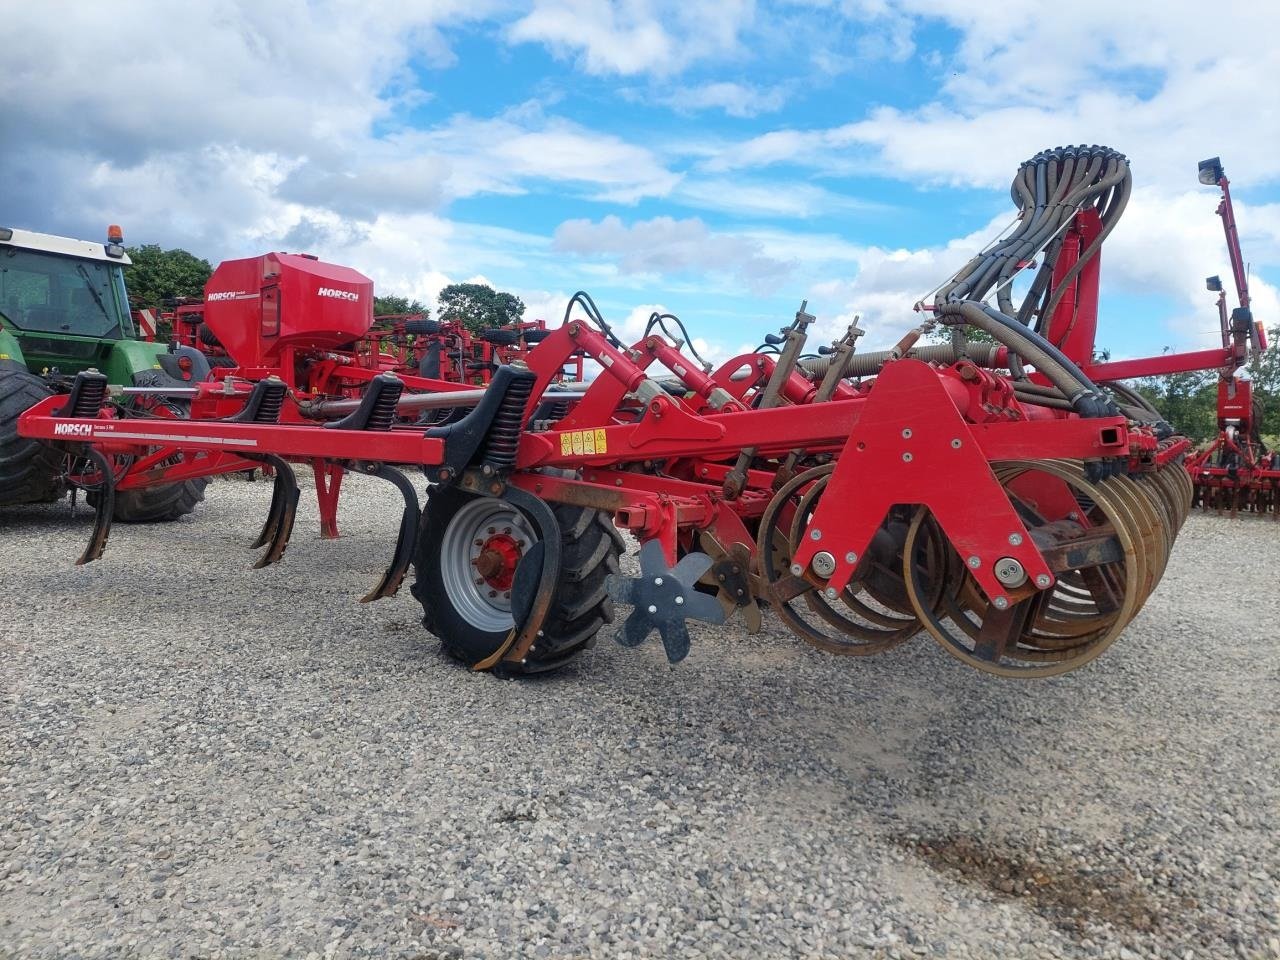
{"points": [[721, 160]]}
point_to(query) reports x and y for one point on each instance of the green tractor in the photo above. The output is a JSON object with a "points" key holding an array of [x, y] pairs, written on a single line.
{"points": [[64, 309]]}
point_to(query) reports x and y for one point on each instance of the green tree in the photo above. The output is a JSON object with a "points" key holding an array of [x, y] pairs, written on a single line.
{"points": [[478, 306], [158, 277], [1189, 401], [391, 306], [1264, 372]]}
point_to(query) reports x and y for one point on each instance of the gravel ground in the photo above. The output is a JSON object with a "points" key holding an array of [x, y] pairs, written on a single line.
{"points": [[200, 759]]}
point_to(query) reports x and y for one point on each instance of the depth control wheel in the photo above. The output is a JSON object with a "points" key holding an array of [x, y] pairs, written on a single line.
{"points": [[482, 545], [468, 551]]}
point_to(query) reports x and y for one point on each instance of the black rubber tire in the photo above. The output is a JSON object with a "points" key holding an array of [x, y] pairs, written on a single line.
{"points": [[30, 470], [422, 327], [499, 336], [206, 336], [581, 606], [166, 503], [536, 335], [159, 504]]}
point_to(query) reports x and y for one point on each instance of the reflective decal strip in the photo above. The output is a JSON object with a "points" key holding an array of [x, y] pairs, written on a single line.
{"points": [[172, 438]]}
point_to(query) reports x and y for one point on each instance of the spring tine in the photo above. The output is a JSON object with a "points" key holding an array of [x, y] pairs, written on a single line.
{"points": [[394, 575], [279, 493], [103, 513], [283, 512]]}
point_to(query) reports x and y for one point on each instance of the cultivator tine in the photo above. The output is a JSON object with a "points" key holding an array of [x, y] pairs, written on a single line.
{"points": [[284, 507], [103, 511], [394, 575]]}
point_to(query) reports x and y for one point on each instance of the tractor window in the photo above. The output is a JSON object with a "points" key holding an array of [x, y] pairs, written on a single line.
{"points": [[52, 294]]}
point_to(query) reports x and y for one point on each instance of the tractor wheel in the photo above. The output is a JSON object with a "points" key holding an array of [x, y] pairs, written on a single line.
{"points": [[158, 504], [467, 551], [161, 504], [30, 471]]}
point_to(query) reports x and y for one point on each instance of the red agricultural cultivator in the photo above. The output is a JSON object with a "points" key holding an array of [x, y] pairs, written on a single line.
{"points": [[997, 493], [1235, 471]]}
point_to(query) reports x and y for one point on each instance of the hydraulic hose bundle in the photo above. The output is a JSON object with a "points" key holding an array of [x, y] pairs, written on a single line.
{"points": [[1050, 189]]}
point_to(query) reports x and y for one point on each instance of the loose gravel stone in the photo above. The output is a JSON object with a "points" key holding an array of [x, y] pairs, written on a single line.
{"points": [[201, 759]]}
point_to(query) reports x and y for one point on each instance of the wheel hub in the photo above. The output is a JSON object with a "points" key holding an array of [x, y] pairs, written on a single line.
{"points": [[497, 560]]}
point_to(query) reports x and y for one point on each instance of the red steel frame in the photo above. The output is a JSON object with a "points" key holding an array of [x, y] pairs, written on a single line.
{"points": [[865, 429], [661, 461]]}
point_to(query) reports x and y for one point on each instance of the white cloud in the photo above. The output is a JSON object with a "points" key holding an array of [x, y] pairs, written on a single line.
{"points": [[1165, 245], [735, 99], [1143, 77], [631, 37], [426, 169], [666, 245], [1190, 247], [777, 198], [287, 125]]}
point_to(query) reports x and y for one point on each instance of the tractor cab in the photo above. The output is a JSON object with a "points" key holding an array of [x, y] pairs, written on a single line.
{"points": [[62, 300]]}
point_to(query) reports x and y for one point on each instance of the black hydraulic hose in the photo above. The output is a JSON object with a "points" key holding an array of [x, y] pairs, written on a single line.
{"points": [[1044, 356], [1049, 190], [593, 313], [1039, 286], [656, 319], [1042, 400], [1125, 187], [1132, 396]]}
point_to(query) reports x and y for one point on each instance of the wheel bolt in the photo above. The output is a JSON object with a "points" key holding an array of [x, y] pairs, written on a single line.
{"points": [[493, 593], [652, 608], [679, 601]]}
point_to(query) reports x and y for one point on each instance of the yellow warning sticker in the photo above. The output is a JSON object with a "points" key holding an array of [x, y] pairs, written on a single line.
{"points": [[583, 442]]}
